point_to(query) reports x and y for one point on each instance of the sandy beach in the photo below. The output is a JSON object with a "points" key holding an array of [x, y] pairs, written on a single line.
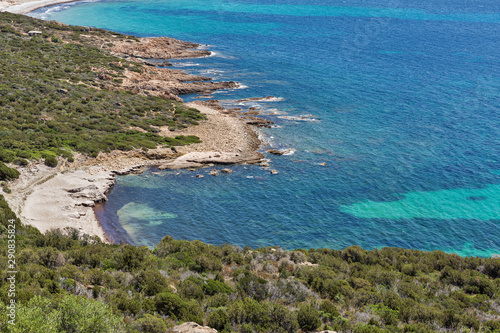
{"points": [[64, 197], [26, 6]]}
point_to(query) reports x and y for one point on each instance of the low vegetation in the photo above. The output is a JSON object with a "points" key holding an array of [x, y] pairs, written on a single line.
{"points": [[69, 282], [60, 94]]}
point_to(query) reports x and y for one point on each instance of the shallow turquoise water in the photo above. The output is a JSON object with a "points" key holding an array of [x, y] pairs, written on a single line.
{"points": [[403, 99]]}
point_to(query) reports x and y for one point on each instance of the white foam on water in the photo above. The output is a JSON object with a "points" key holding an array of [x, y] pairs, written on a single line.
{"points": [[212, 71], [305, 117], [185, 64], [218, 55], [241, 86]]}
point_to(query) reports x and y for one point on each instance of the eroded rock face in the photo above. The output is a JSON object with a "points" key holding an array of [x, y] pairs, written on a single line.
{"points": [[191, 327], [159, 48]]}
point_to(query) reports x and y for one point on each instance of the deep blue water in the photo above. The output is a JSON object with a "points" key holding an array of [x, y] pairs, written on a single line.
{"points": [[405, 109]]}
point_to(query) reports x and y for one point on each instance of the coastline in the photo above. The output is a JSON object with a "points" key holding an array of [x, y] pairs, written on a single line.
{"points": [[64, 196], [26, 6]]}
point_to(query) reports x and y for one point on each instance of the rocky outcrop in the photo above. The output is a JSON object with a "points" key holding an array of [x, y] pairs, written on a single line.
{"points": [[259, 122], [170, 83], [174, 165], [191, 327], [199, 159], [88, 196], [274, 151], [280, 152], [263, 99], [158, 48]]}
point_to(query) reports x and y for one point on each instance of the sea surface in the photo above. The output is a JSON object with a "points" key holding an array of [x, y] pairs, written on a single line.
{"points": [[400, 100]]}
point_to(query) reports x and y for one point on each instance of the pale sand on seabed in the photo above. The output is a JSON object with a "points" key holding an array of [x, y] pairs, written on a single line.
{"points": [[58, 198], [26, 6]]}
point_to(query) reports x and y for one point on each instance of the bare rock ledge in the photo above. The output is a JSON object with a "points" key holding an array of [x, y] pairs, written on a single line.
{"points": [[199, 159]]}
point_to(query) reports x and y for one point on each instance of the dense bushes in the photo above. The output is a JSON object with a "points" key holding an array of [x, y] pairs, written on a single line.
{"points": [[69, 314], [52, 101]]}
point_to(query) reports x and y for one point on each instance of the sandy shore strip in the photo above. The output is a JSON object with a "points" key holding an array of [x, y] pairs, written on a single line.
{"points": [[26, 6], [63, 197]]}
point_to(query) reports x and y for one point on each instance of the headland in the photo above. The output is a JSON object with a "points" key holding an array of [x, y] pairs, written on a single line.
{"points": [[63, 196]]}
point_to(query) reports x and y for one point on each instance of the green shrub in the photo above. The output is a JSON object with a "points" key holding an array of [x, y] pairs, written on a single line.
{"points": [[212, 287], [308, 318], [151, 324], [493, 325], [132, 258], [50, 161], [7, 156], [71, 314], [7, 173], [190, 289], [150, 282], [21, 162], [218, 320], [328, 308], [170, 304]]}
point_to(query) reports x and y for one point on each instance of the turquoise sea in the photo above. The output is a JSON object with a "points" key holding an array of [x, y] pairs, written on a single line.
{"points": [[400, 99]]}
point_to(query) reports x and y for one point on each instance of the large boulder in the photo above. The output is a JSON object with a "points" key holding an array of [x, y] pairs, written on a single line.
{"points": [[191, 327]]}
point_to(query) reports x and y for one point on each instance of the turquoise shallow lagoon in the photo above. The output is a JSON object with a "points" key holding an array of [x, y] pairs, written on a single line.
{"points": [[404, 104]]}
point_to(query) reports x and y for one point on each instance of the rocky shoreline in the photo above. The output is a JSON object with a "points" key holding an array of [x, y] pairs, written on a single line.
{"points": [[64, 196], [158, 80]]}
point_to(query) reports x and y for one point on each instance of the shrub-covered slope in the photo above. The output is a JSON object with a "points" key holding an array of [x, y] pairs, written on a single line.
{"points": [[69, 282], [59, 94]]}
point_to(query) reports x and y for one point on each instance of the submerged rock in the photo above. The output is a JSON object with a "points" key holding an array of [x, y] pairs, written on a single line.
{"points": [[259, 122], [280, 152]]}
